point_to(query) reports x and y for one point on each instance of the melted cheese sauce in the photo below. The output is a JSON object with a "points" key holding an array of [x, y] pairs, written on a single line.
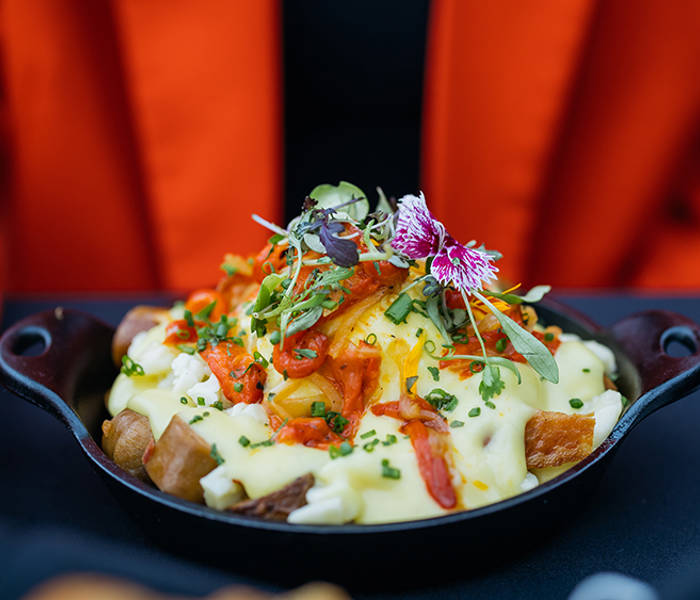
{"points": [[486, 454]]}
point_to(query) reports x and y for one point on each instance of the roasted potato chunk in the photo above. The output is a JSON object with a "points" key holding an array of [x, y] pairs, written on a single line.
{"points": [[124, 440], [554, 438], [277, 505], [180, 458], [138, 319]]}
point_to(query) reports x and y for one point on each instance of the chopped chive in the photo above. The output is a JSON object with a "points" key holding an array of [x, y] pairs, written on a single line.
{"points": [[576, 403], [476, 366], [501, 345], [186, 349], [183, 400], [131, 367], [371, 339], [457, 424], [238, 387], [390, 439], [390, 472], [196, 418], [368, 434], [285, 375], [215, 455], [344, 449], [200, 401], [263, 443], [302, 353], [586, 370], [435, 372], [442, 400], [244, 441], [490, 404], [318, 409], [399, 309], [369, 446], [419, 332], [260, 359], [188, 318], [474, 412], [548, 337], [275, 337], [218, 405]]}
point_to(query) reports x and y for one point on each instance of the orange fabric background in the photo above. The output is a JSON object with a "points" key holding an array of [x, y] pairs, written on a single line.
{"points": [[141, 134], [563, 134]]}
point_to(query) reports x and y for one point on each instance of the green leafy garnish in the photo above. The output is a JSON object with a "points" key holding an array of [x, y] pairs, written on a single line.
{"points": [[536, 353], [491, 383]]}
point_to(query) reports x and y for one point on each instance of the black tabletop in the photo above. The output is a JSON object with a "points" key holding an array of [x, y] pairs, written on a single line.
{"points": [[57, 516]]}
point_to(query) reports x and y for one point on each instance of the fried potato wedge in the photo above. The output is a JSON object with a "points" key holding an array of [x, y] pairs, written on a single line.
{"points": [[179, 459], [125, 438], [138, 319]]}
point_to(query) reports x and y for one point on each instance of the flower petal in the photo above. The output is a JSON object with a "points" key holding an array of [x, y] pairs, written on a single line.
{"points": [[466, 268], [418, 234]]}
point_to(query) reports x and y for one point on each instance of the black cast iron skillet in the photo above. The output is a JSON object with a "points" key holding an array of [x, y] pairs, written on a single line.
{"points": [[71, 374]]}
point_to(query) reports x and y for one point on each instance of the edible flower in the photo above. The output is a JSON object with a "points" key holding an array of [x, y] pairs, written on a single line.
{"points": [[419, 235]]}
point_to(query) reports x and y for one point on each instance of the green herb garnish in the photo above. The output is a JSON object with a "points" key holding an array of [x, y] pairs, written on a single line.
{"points": [[399, 309], [215, 455], [318, 409], [390, 472], [130, 367]]}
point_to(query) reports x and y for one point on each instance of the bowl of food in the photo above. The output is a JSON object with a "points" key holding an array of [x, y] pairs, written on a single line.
{"points": [[363, 385]]}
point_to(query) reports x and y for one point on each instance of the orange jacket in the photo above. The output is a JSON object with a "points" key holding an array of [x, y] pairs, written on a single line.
{"points": [[141, 135], [565, 135]]}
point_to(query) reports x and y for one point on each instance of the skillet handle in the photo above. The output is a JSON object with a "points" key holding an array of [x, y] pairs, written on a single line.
{"points": [[644, 338], [72, 356]]}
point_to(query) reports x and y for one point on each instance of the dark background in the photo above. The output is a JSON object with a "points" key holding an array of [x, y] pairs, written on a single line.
{"points": [[352, 94]]}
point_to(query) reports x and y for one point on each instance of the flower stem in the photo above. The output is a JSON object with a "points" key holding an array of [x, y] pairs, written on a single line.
{"points": [[476, 329]]}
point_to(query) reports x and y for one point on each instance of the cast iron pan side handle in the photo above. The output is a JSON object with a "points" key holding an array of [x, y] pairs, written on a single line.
{"points": [[645, 337], [45, 357]]}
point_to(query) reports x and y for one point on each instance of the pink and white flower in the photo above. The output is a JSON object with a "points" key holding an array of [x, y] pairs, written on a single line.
{"points": [[419, 235]]}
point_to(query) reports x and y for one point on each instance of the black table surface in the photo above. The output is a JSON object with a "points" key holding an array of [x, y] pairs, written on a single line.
{"points": [[57, 516]]}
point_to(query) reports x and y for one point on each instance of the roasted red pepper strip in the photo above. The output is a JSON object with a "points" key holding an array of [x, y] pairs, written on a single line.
{"points": [[291, 360], [200, 299], [270, 260], [179, 332], [356, 373], [240, 377], [427, 431], [430, 452]]}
